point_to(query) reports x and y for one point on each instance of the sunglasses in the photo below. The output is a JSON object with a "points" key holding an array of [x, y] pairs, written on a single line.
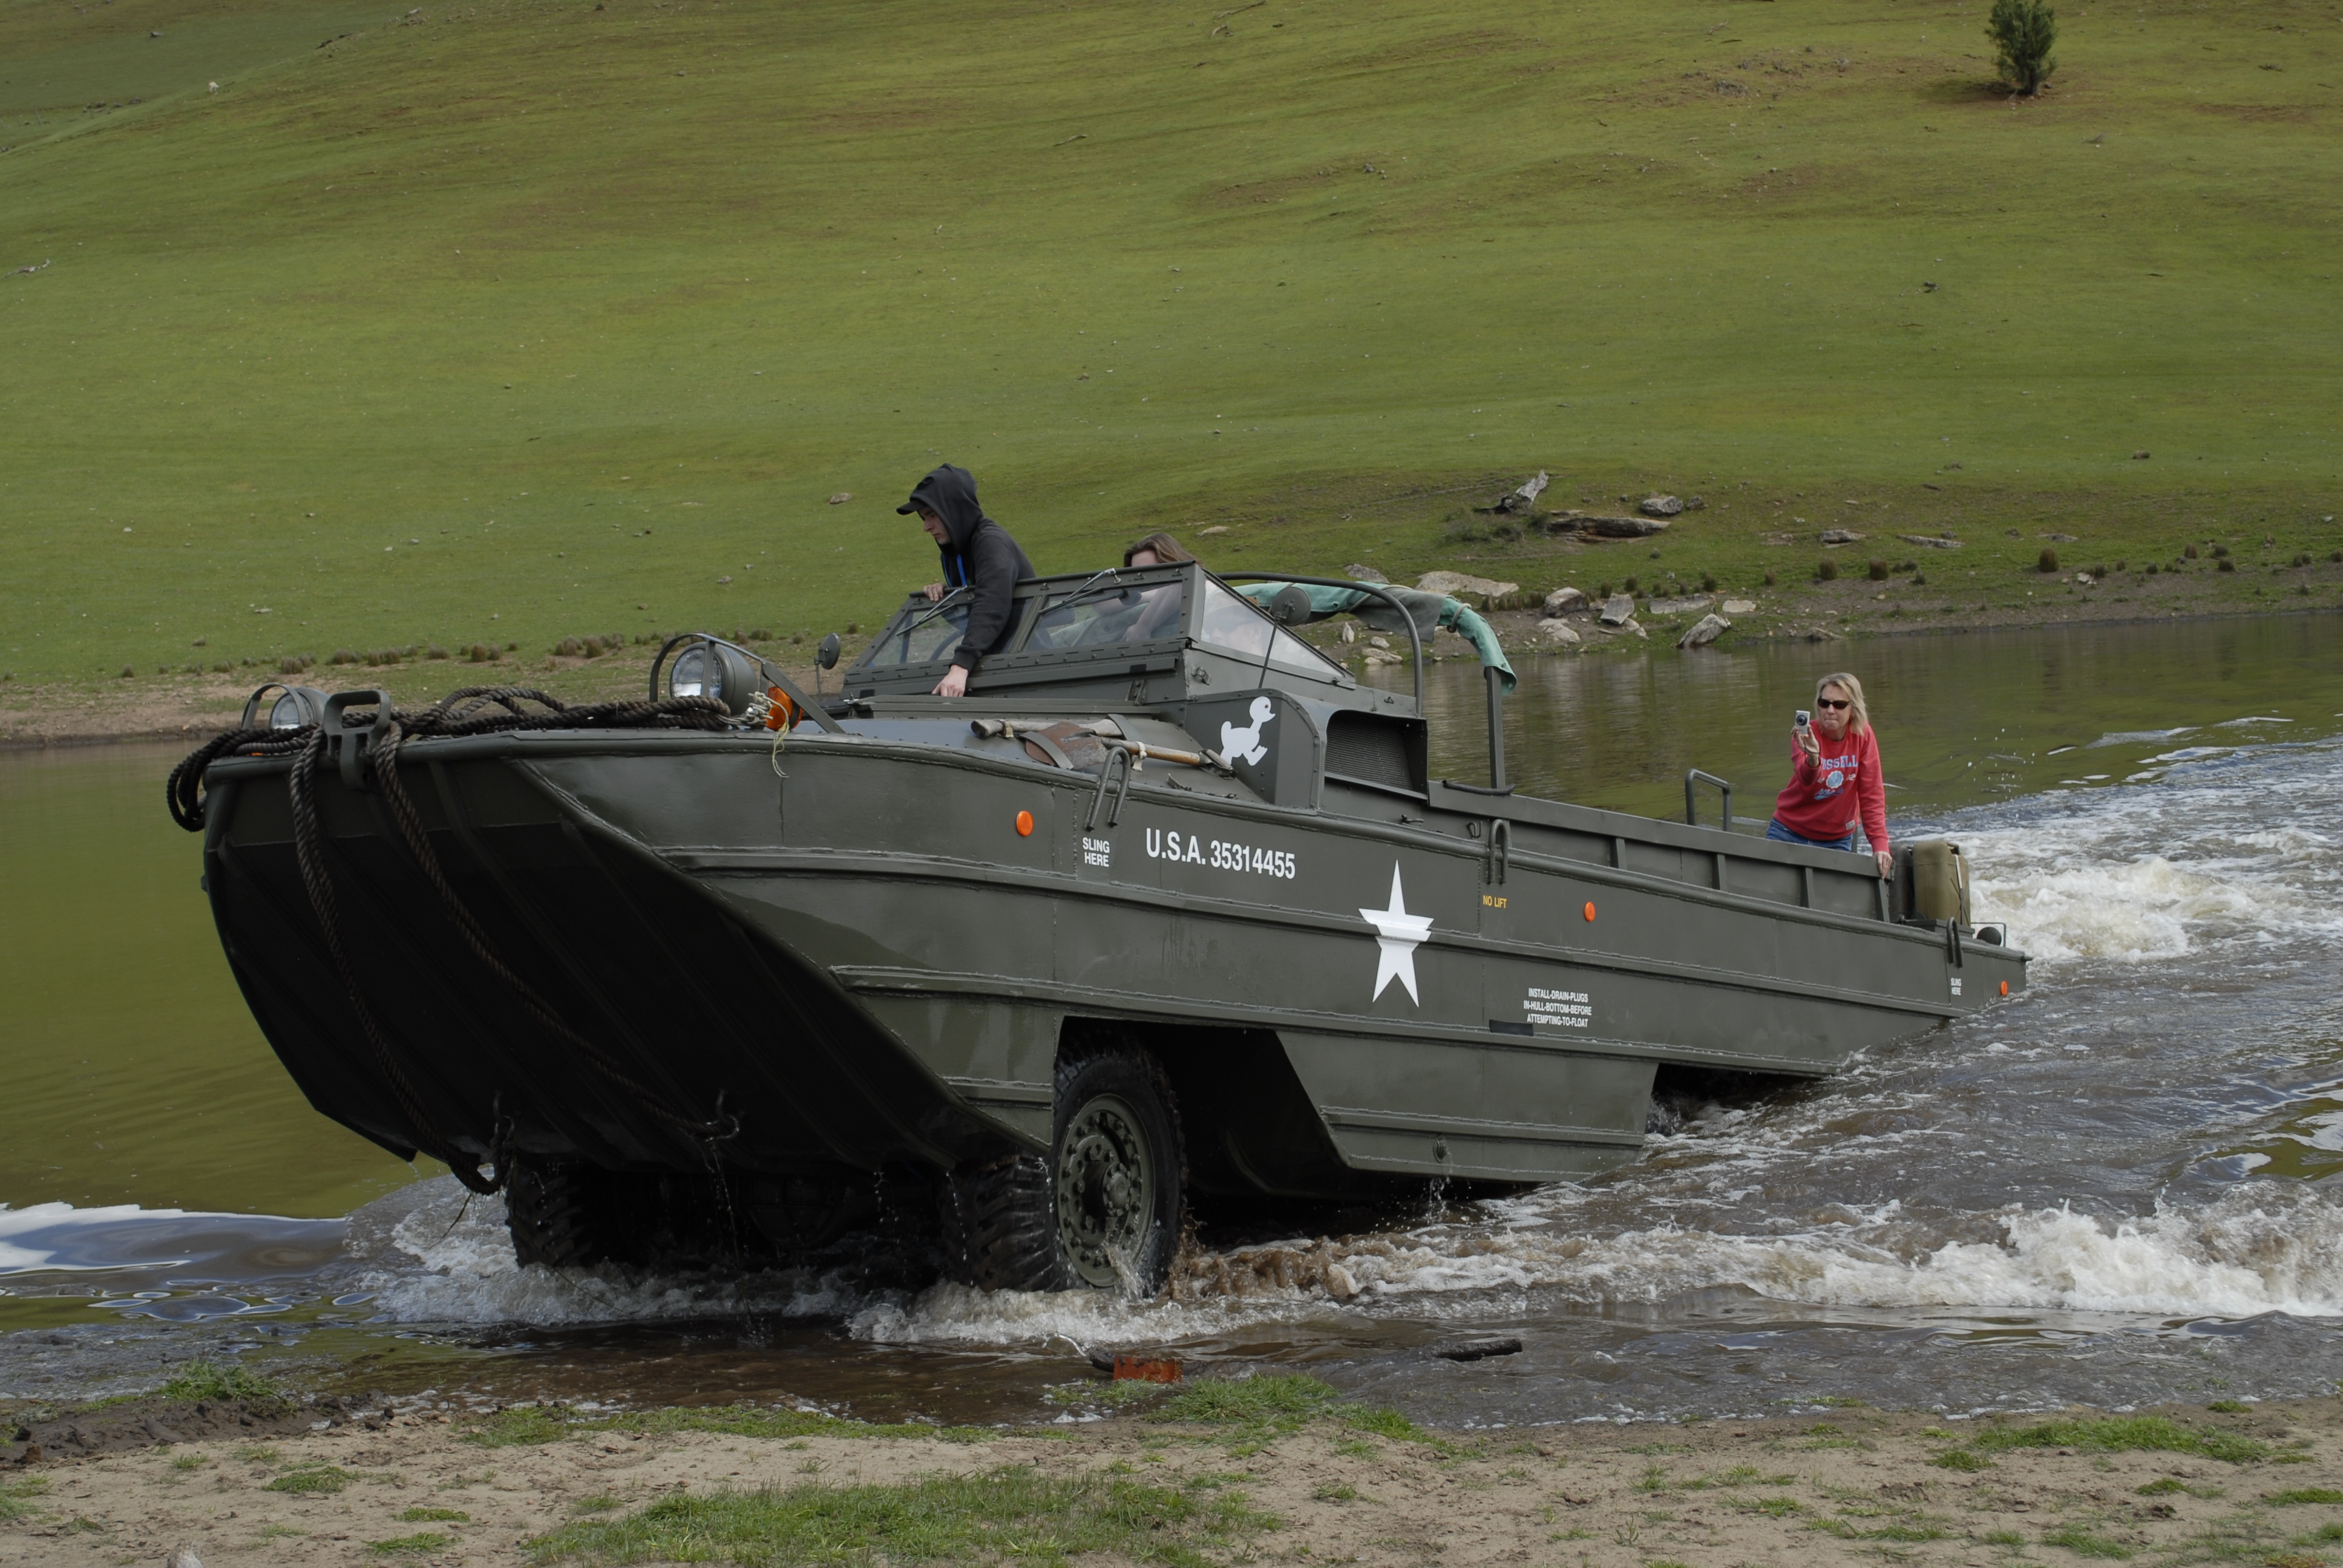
{"points": [[1834, 702]]}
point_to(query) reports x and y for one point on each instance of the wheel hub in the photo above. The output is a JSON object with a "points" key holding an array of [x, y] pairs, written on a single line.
{"points": [[1105, 1191]]}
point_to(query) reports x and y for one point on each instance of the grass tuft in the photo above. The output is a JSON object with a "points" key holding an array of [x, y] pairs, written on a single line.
{"points": [[525, 1425], [2121, 1433], [14, 1493], [418, 1544], [1014, 1512], [2300, 1494], [1961, 1458], [228, 1383], [319, 1481], [434, 1516], [2083, 1543]]}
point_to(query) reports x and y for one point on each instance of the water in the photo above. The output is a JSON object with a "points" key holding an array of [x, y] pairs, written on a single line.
{"points": [[2116, 1190]]}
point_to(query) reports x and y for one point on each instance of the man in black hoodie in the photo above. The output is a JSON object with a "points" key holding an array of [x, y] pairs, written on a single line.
{"points": [[979, 555]]}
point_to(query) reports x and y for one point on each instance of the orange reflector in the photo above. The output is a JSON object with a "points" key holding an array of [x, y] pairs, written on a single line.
{"points": [[1590, 911], [2004, 987], [1024, 824], [783, 714], [1146, 1369]]}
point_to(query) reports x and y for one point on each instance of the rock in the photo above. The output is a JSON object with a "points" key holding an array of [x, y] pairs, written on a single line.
{"points": [[1481, 593], [1706, 631], [1556, 634], [1841, 536], [1523, 499], [1679, 606], [1377, 655], [185, 1557], [1660, 506], [840, 498], [1694, 504], [1359, 572], [1619, 610], [1350, 632], [1608, 527], [1564, 601], [1740, 607], [2139, 457], [1216, 528], [2059, 538], [1934, 541]]}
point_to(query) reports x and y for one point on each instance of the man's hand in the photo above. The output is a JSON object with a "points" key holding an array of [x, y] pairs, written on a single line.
{"points": [[953, 684], [934, 591], [1887, 861]]}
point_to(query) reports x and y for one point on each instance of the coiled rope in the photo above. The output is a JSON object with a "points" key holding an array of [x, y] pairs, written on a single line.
{"points": [[474, 711]]}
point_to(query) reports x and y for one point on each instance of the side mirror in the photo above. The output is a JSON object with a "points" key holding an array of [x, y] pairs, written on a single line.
{"points": [[826, 656]]}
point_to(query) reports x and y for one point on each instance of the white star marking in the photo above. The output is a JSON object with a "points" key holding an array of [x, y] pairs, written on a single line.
{"points": [[1397, 934]]}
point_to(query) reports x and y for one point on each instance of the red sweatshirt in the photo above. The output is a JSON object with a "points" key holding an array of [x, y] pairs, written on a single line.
{"points": [[1824, 795]]}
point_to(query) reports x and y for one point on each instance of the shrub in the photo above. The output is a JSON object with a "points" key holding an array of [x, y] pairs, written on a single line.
{"points": [[1769, 579], [1828, 570], [2023, 32], [1633, 587], [436, 653], [2227, 565], [1603, 591], [2190, 553], [2336, 555], [2152, 568], [2099, 571], [2220, 552], [2049, 561], [2302, 558], [343, 656], [1878, 571], [1919, 580], [1708, 582]]}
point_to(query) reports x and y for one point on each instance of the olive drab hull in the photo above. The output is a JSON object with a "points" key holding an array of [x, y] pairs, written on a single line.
{"points": [[856, 951], [863, 942]]}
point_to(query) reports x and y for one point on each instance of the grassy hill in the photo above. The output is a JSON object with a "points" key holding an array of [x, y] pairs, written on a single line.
{"points": [[529, 317]]}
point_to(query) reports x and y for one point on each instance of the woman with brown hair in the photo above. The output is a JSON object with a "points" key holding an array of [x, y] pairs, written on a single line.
{"points": [[1835, 776], [1159, 549]]}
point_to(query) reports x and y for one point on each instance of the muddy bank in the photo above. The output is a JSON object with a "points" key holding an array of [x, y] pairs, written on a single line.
{"points": [[1273, 1469]]}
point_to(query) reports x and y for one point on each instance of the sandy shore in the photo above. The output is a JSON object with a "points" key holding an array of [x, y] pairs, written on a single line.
{"points": [[1333, 1485]]}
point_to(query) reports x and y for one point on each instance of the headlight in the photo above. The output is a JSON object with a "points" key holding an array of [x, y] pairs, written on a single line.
{"points": [[292, 707], [290, 713], [713, 669]]}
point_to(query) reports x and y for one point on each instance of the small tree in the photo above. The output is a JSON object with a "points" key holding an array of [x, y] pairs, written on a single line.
{"points": [[2022, 32]]}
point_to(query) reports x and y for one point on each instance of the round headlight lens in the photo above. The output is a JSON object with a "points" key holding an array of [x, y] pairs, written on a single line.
{"points": [[697, 673], [713, 669], [290, 713]]}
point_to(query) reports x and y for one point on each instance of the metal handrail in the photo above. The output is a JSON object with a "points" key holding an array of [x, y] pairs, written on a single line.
{"points": [[1381, 591], [1696, 777]]}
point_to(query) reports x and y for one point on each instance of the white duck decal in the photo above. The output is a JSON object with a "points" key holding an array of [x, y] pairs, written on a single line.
{"points": [[1245, 744]]}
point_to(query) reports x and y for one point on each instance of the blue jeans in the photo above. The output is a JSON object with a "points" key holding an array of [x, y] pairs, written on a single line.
{"points": [[1781, 835]]}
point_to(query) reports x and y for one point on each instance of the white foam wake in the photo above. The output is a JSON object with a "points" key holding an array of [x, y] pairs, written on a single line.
{"points": [[2250, 1253]]}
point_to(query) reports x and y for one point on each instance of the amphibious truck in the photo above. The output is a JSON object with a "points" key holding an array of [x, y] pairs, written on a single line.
{"points": [[1167, 906]]}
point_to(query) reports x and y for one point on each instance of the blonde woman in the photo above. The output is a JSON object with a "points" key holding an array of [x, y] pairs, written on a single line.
{"points": [[1835, 776]]}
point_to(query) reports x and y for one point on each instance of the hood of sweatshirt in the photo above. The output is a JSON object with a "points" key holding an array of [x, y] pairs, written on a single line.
{"points": [[950, 492]]}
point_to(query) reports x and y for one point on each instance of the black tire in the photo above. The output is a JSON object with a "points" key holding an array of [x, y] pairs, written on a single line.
{"points": [[560, 1215], [999, 1231], [1119, 1179], [1112, 1188]]}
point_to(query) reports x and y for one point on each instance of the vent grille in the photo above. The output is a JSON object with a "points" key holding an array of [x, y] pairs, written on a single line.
{"points": [[1371, 752]]}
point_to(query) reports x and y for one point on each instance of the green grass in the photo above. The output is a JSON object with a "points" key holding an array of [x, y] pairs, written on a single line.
{"points": [[1014, 1512], [2302, 1494], [434, 1516], [15, 1496], [418, 1544], [510, 321], [223, 1383], [523, 1425], [2120, 1433], [2083, 1543], [1961, 1458], [322, 1480]]}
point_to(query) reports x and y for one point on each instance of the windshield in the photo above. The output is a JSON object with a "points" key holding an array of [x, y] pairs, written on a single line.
{"points": [[924, 637], [1233, 623], [1097, 617]]}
